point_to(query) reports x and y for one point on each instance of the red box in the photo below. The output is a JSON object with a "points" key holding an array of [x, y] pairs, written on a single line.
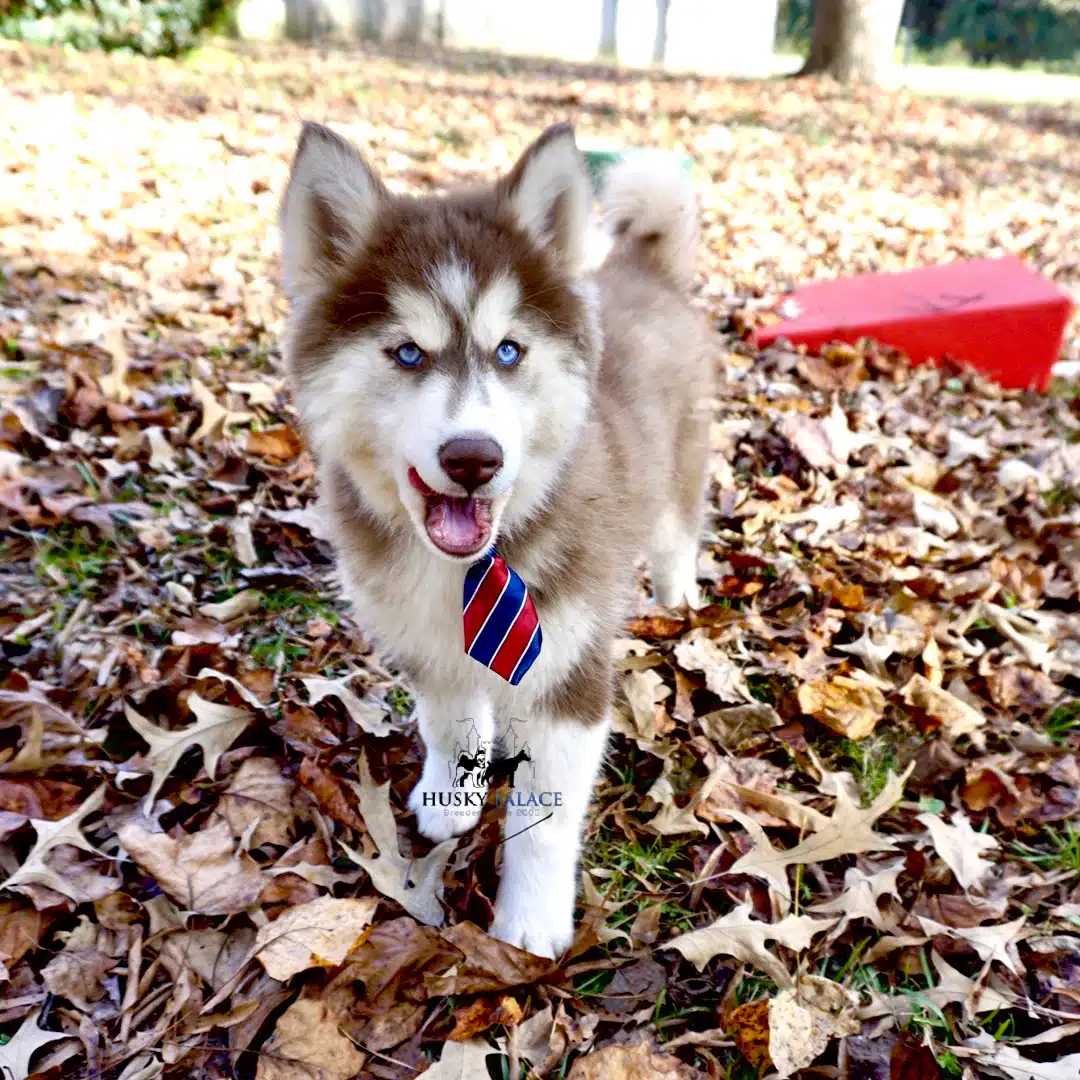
{"points": [[995, 314]]}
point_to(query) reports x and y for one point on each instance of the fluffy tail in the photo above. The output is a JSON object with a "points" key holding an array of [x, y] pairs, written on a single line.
{"points": [[650, 211]]}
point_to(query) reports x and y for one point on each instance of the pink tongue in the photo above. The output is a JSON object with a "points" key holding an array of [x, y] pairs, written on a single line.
{"points": [[457, 525]]}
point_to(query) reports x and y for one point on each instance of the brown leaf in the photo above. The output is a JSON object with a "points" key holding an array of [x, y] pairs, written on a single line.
{"points": [[489, 965], [307, 1043], [21, 927], [321, 933], [201, 871], [956, 717], [1024, 686], [78, 976], [279, 443], [637, 1062], [845, 706], [39, 798], [394, 960], [260, 796], [484, 1013], [748, 1025], [657, 627], [912, 1060], [329, 793]]}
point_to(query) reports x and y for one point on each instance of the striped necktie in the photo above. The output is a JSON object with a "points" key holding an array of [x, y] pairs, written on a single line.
{"points": [[502, 630]]}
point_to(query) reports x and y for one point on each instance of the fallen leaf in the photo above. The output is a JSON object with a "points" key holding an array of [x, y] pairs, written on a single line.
{"points": [[259, 798], [956, 717], [244, 602], [321, 933], [748, 1025], [372, 718], [1008, 1060], [53, 834], [461, 1061], [638, 1062], [483, 1014], [489, 965], [843, 705], [78, 975], [739, 935], [307, 1043], [215, 729], [847, 832], [961, 848], [416, 884], [16, 1054], [201, 871], [280, 443], [805, 1018], [698, 652]]}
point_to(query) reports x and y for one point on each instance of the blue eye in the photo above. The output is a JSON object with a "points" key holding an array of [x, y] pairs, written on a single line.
{"points": [[508, 353], [409, 354]]}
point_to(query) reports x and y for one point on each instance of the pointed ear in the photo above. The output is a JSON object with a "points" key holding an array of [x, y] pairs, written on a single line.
{"points": [[330, 204], [549, 192]]}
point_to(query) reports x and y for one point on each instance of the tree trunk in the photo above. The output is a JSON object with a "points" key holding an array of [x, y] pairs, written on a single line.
{"points": [[854, 40], [609, 17], [659, 51]]}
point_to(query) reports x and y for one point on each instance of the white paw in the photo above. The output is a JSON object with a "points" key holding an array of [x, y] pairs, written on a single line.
{"points": [[542, 924], [438, 822]]}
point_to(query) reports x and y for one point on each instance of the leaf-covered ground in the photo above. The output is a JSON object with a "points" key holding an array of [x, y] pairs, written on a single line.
{"points": [[839, 823]]}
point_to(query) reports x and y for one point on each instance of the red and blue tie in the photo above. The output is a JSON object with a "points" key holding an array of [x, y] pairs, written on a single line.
{"points": [[502, 630]]}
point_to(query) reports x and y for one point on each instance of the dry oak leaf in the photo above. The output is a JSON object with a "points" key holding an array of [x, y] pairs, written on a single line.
{"points": [[52, 834], [860, 895], [460, 1061], [997, 942], [488, 964], [645, 690], [244, 602], [961, 847], [416, 884], [215, 729], [78, 975], [803, 1019], [15, 1054], [955, 716], [638, 1062], [374, 719], [698, 652], [259, 797], [307, 1045], [845, 706], [740, 935], [320, 933], [1011, 1063], [849, 831], [201, 871], [955, 986]]}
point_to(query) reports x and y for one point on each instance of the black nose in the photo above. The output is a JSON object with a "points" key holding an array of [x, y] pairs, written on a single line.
{"points": [[471, 462]]}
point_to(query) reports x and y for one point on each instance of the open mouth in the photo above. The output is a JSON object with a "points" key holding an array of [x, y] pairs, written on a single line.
{"points": [[455, 525]]}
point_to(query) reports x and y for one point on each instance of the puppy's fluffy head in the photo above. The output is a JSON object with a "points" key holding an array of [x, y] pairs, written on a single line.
{"points": [[442, 348]]}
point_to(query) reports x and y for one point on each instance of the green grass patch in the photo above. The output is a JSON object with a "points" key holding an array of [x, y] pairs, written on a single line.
{"points": [[1060, 849], [1063, 721]]}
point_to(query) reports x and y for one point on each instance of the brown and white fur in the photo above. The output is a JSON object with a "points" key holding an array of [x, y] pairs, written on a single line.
{"points": [[601, 426]]}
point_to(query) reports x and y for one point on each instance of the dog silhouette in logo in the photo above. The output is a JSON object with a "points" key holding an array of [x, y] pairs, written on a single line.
{"points": [[498, 771], [466, 766]]}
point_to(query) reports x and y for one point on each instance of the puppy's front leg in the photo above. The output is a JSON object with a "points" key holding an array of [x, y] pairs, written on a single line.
{"points": [[535, 906], [455, 732]]}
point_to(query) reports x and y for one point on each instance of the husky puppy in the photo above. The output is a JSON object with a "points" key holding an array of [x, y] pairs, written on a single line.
{"points": [[468, 382]]}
